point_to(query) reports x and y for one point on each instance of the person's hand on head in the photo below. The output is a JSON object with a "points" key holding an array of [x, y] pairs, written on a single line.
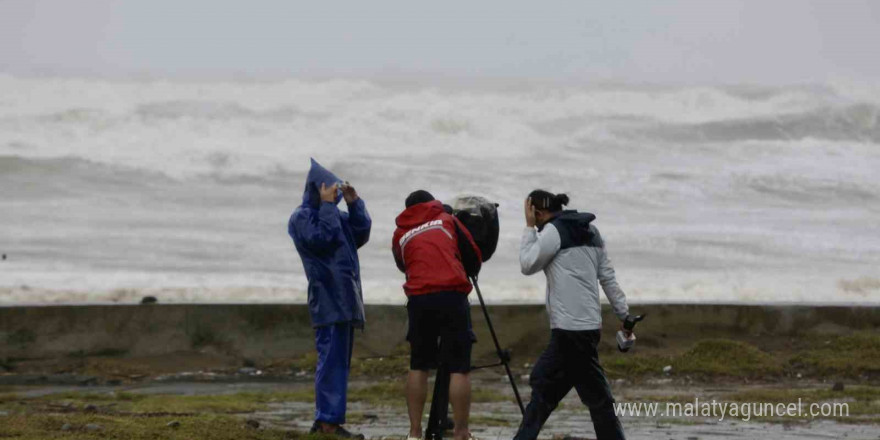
{"points": [[530, 213], [349, 193], [328, 193]]}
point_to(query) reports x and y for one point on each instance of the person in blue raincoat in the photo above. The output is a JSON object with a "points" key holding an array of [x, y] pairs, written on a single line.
{"points": [[327, 240]]}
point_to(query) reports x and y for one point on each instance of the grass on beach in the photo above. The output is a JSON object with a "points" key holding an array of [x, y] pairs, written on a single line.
{"points": [[381, 394], [223, 416], [720, 357], [146, 416], [81, 426], [707, 358], [849, 356], [853, 358], [395, 365], [855, 355]]}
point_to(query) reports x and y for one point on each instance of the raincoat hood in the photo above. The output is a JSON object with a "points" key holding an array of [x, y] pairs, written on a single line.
{"points": [[419, 213], [318, 175]]}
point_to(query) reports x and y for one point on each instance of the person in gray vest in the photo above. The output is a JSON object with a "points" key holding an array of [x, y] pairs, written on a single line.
{"points": [[570, 251]]}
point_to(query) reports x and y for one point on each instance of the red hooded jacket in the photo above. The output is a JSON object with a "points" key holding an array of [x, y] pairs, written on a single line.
{"points": [[435, 250]]}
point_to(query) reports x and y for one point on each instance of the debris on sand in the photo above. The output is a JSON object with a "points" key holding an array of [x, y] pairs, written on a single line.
{"points": [[94, 427]]}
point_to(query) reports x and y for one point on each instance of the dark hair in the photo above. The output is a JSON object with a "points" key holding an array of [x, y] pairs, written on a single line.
{"points": [[419, 196], [548, 201]]}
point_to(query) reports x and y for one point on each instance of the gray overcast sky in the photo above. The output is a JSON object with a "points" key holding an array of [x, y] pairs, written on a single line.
{"points": [[711, 41]]}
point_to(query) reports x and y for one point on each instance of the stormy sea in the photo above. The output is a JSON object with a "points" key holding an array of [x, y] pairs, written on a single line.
{"points": [[111, 190]]}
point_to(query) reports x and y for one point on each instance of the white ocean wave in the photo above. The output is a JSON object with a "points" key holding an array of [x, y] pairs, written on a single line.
{"points": [[109, 185]]}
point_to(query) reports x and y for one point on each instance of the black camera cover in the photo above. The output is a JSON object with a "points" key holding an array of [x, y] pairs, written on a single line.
{"points": [[480, 217]]}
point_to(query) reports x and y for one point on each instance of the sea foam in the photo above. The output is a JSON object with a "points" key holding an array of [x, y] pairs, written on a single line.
{"points": [[734, 194]]}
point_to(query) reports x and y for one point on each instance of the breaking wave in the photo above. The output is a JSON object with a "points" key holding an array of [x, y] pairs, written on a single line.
{"points": [[110, 185], [853, 123]]}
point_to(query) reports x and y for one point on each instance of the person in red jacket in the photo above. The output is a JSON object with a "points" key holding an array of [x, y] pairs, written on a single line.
{"points": [[438, 255]]}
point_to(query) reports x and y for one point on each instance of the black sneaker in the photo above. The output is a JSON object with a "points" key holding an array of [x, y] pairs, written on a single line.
{"points": [[344, 433], [339, 432]]}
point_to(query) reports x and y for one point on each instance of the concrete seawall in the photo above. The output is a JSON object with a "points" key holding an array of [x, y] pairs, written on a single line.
{"points": [[283, 331]]}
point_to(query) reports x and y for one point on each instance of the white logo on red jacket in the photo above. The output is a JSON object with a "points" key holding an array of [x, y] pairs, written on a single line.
{"points": [[424, 227]]}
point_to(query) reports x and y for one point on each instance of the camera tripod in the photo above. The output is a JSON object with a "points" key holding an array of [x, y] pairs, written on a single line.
{"points": [[438, 420]]}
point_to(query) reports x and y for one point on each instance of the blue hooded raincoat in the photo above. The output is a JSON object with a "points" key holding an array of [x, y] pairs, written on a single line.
{"points": [[327, 240]]}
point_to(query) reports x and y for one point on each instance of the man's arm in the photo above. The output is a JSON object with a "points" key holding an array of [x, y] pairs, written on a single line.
{"points": [[358, 217], [359, 221], [318, 229], [608, 280], [471, 257], [395, 250], [537, 250]]}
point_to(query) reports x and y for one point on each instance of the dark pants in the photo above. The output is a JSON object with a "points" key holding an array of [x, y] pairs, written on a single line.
{"points": [[440, 331], [334, 344], [571, 360]]}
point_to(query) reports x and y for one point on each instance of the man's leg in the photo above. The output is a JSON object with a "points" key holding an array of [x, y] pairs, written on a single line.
{"points": [[592, 387], [460, 397], [323, 373], [422, 336], [416, 394], [549, 384], [334, 344], [456, 342]]}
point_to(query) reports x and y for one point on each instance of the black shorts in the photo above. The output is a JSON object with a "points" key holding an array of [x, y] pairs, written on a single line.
{"points": [[439, 331]]}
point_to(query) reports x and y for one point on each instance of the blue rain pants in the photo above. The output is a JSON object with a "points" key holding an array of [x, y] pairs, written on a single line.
{"points": [[334, 344]]}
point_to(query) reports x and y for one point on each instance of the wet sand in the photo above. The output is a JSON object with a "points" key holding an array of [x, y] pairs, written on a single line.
{"points": [[496, 420]]}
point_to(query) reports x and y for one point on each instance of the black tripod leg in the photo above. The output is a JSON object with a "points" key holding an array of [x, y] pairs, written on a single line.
{"points": [[501, 355], [439, 415]]}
